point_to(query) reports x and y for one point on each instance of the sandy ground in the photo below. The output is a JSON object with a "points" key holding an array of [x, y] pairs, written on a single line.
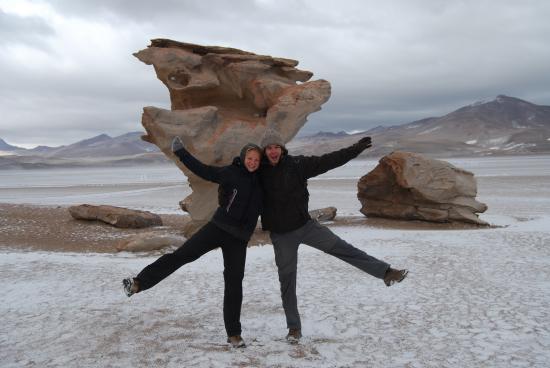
{"points": [[49, 228], [53, 229]]}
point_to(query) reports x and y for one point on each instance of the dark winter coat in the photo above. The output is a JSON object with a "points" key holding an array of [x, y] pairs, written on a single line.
{"points": [[240, 193], [285, 186]]}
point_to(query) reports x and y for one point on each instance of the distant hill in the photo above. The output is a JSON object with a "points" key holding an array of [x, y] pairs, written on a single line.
{"points": [[7, 147], [103, 146], [328, 135], [501, 126], [101, 150]]}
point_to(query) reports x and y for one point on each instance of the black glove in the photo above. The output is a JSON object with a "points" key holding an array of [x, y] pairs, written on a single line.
{"points": [[177, 144], [364, 143]]}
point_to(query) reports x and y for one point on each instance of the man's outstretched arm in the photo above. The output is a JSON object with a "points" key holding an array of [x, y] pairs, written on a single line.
{"points": [[316, 165]]}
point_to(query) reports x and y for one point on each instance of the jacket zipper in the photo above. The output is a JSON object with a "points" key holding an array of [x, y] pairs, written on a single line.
{"points": [[231, 200]]}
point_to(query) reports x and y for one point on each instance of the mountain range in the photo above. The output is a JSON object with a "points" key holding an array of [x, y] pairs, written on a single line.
{"points": [[500, 126], [101, 150]]}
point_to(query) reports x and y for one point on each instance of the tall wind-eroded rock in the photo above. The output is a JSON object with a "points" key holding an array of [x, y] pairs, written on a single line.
{"points": [[222, 98]]}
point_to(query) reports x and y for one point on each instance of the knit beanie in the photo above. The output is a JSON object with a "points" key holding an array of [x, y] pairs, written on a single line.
{"points": [[272, 137]]}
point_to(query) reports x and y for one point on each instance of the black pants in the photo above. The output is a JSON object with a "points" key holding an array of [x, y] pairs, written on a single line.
{"points": [[209, 237]]}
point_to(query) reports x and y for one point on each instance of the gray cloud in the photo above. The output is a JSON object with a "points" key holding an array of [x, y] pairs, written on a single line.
{"points": [[15, 29], [388, 62]]}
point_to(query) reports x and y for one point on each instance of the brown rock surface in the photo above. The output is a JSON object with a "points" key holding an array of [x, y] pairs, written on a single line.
{"points": [[146, 242], [410, 186], [323, 214], [116, 216], [222, 98]]}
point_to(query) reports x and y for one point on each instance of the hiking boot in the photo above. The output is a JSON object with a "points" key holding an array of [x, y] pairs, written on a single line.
{"points": [[393, 276], [130, 285], [236, 341], [294, 335]]}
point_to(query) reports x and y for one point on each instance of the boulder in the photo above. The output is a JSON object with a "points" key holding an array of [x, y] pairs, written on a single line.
{"points": [[323, 214], [145, 242], [410, 186], [116, 216], [222, 98]]}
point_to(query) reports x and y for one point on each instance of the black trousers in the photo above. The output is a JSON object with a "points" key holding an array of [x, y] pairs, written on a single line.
{"points": [[209, 237]]}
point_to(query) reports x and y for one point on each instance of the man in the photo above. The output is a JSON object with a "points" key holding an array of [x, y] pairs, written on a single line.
{"points": [[285, 215]]}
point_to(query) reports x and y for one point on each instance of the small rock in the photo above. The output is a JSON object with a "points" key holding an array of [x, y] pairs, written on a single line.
{"points": [[323, 214], [149, 241], [116, 216]]}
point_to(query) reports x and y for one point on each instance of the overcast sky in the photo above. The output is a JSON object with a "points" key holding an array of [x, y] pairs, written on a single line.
{"points": [[67, 72]]}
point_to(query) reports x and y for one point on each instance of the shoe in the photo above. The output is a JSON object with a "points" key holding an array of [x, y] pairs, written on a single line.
{"points": [[393, 276], [130, 286], [236, 341], [294, 335]]}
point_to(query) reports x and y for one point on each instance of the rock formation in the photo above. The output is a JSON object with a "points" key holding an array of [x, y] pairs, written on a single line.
{"points": [[222, 98], [412, 187], [116, 216], [148, 242]]}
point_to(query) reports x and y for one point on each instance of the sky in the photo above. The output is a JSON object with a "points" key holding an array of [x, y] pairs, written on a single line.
{"points": [[67, 71]]}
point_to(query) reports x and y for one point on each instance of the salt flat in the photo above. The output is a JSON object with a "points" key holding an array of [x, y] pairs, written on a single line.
{"points": [[473, 298]]}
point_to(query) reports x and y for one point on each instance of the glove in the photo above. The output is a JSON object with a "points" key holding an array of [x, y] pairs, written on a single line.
{"points": [[177, 144], [364, 143]]}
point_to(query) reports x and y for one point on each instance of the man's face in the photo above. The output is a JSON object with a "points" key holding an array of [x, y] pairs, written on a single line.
{"points": [[252, 160], [273, 153]]}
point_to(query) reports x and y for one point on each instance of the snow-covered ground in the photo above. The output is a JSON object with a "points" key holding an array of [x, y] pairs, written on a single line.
{"points": [[473, 298]]}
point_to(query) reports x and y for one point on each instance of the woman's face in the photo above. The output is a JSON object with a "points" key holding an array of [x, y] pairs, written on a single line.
{"points": [[252, 160]]}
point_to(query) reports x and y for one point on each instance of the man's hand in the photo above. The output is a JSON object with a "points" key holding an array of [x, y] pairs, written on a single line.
{"points": [[364, 143], [177, 144]]}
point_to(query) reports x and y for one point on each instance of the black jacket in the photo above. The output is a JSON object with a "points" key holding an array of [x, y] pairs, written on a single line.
{"points": [[285, 186], [240, 193]]}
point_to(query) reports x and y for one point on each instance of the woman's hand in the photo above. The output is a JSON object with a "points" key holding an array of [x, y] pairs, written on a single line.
{"points": [[177, 144]]}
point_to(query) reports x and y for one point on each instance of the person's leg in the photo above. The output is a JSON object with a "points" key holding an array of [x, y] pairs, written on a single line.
{"points": [[286, 257], [320, 237], [234, 259], [203, 241]]}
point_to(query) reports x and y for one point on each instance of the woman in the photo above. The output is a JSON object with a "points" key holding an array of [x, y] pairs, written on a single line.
{"points": [[240, 203]]}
